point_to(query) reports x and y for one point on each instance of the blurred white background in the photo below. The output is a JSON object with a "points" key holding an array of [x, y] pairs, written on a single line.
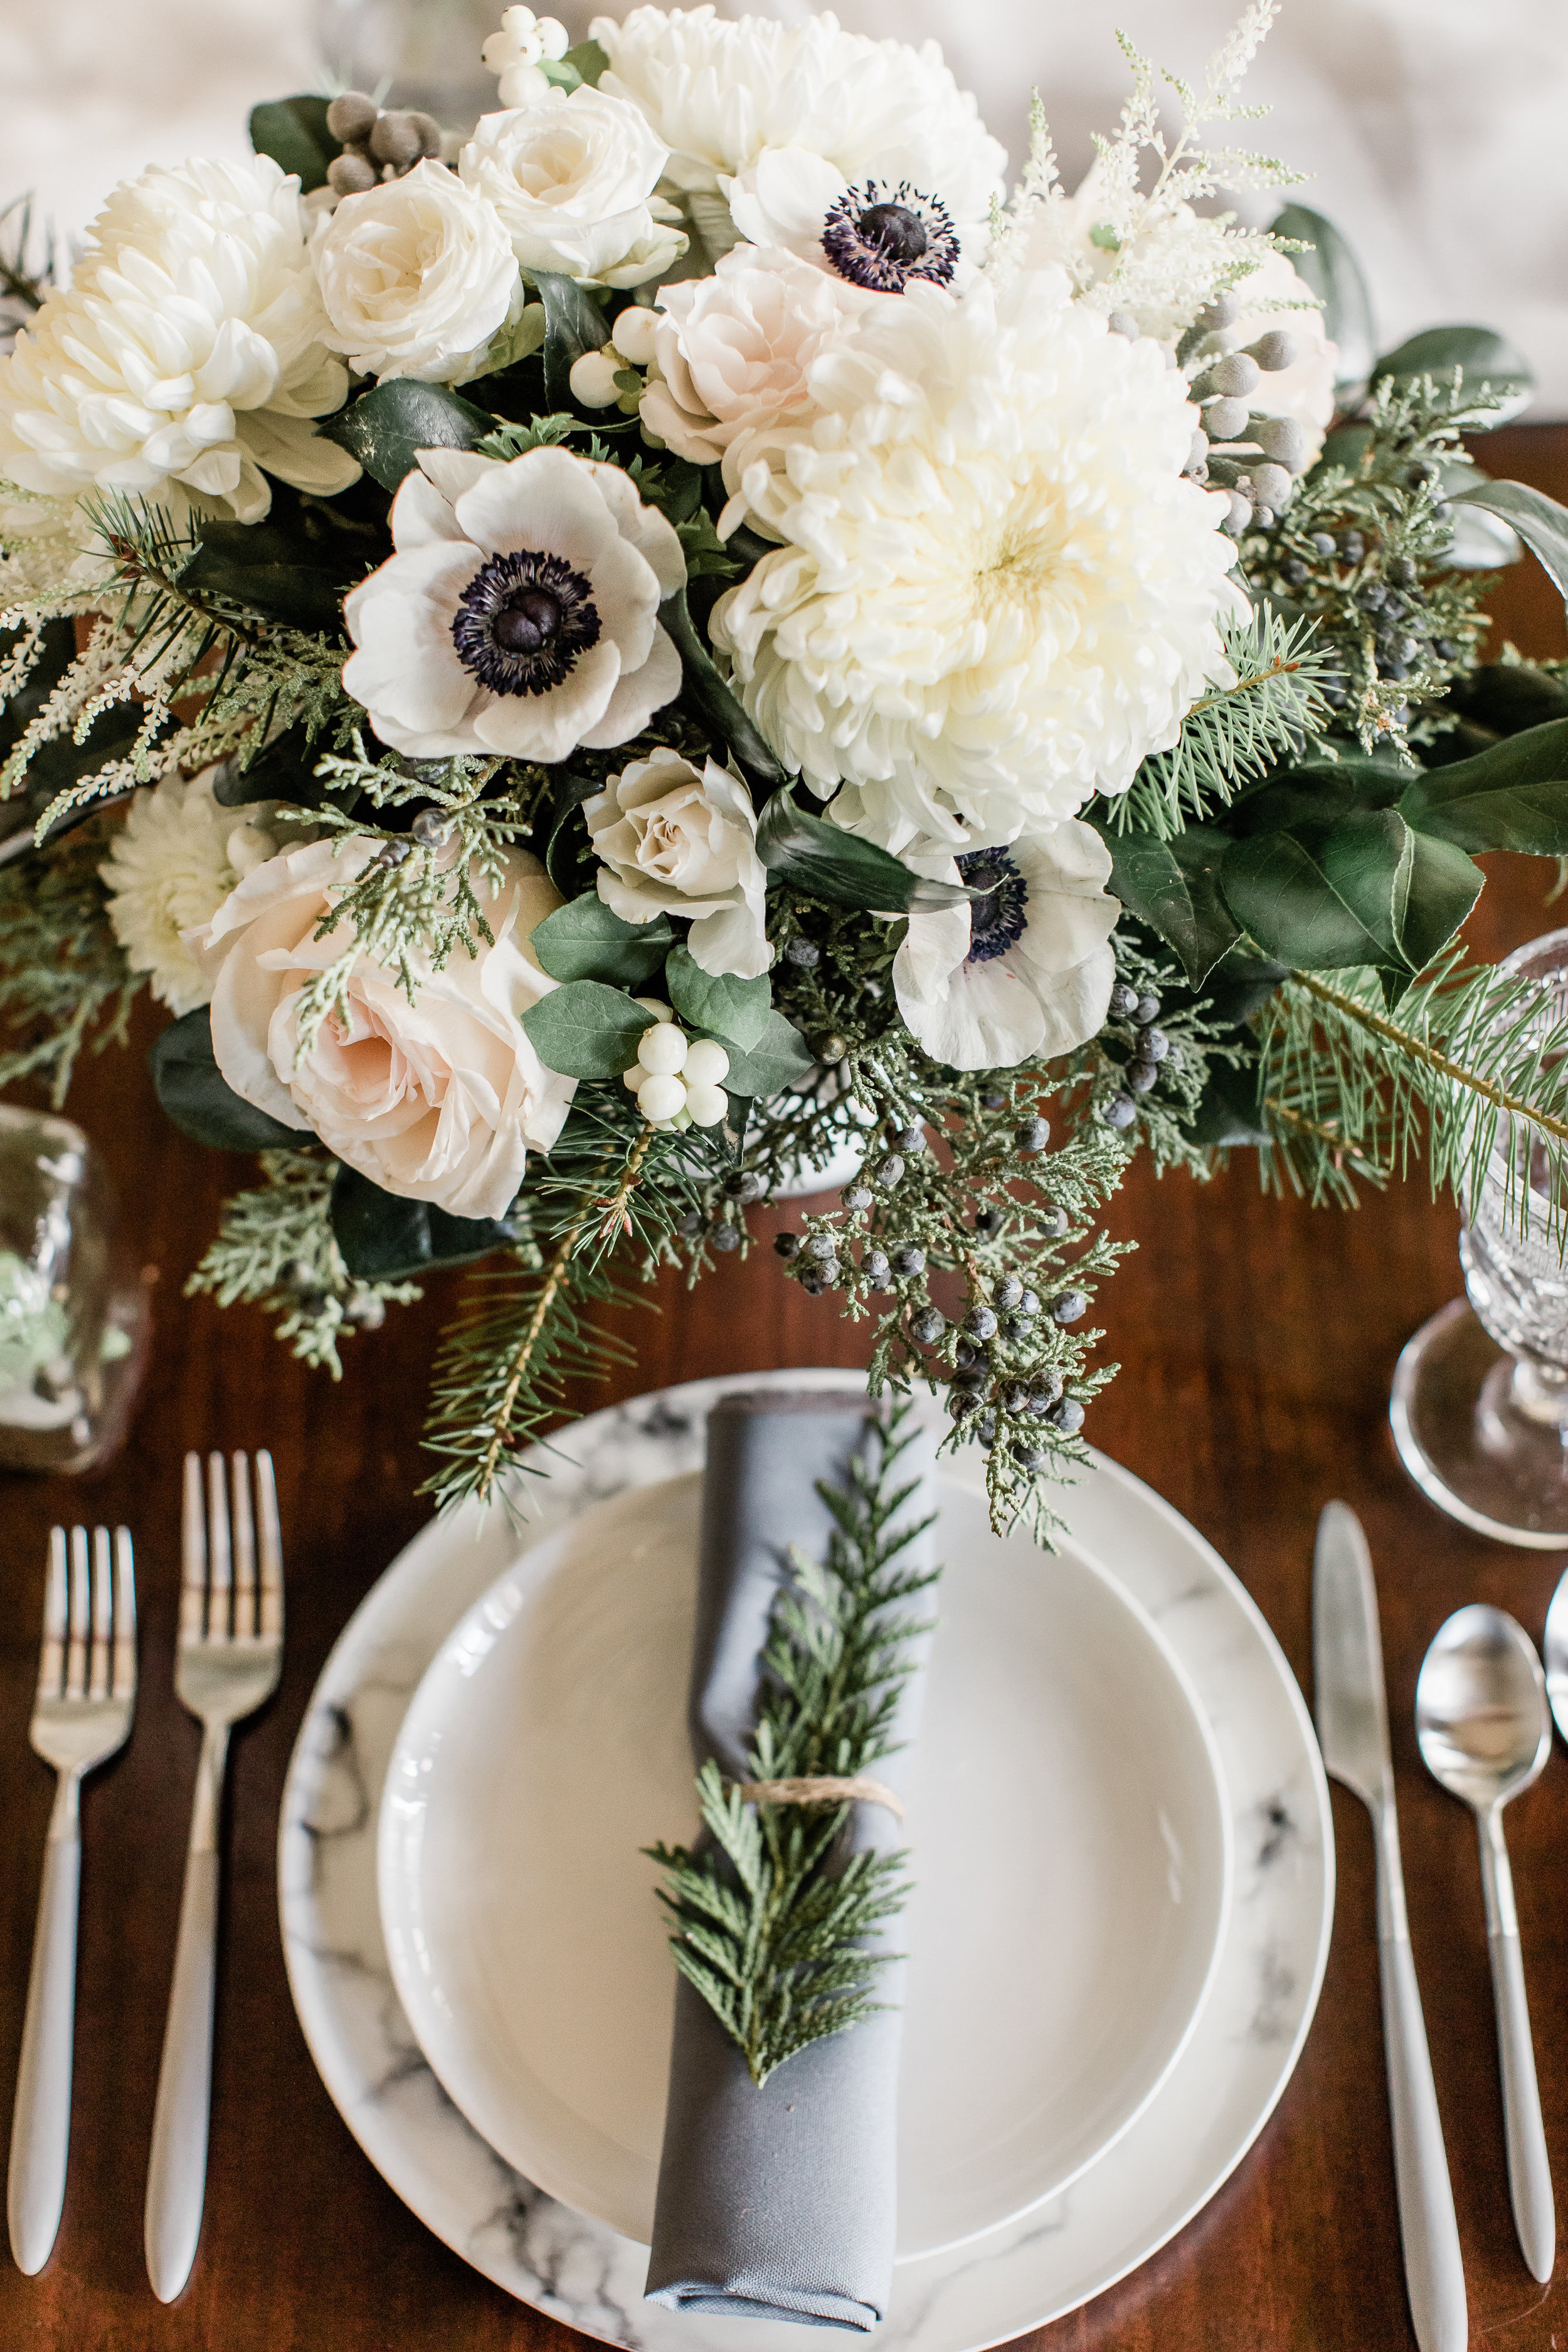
{"points": [[1434, 128]]}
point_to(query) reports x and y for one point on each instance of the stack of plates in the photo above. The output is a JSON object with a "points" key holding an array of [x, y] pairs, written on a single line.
{"points": [[1120, 1839]]}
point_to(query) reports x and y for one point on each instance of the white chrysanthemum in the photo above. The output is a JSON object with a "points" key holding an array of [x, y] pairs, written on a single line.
{"points": [[187, 349], [174, 861], [997, 594], [571, 182], [1026, 969], [784, 120]]}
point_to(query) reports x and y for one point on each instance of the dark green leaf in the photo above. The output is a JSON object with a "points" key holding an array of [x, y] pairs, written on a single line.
{"points": [[1239, 985], [1540, 522], [822, 861], [586, 1030], [1174, 887], [590, 61], [782, 1058], [1331, 269], [1326, 899], [196, 1096], [714, 699], [387, 426], [735, 1010], [259, 566], [573, 323], [386, 1239], [293, 132], [1316, 791], [568, 857], [585, 940], [1441, 888], [1505, 698], [1227, 1116], [283, 770], [1513, 797], [1485, 357]]}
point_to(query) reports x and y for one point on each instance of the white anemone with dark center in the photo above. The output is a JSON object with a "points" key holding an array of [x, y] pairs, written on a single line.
{"points": [[520, 613], [523, 621], [881, 237]]}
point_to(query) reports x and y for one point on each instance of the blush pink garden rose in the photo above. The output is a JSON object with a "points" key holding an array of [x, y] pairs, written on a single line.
{"points": [[732, 350], [440, 1099]]}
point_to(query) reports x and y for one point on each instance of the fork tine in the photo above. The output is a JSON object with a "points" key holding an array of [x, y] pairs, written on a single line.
{"points": [[57, 1618], [102, 1607], [220, 1565], [124, 1615], [272, 1623], [194, 1553], [245, 1617], [80, 1618]]}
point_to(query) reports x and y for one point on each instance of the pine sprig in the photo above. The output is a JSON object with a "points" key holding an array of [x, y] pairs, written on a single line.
{"points": [[771, 1917], [1469, 1070], [1238, 731]]}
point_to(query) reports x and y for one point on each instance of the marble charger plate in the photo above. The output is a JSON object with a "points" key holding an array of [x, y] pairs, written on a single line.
{"points": [[1066, 1821], [1189, 2138]]}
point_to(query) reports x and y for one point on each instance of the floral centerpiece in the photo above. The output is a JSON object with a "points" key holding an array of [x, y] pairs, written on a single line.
{"points": [[599, 660]]}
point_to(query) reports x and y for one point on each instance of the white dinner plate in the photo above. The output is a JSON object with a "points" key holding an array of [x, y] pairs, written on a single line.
{"points": [[1070, 1837], [1186, 2143]]}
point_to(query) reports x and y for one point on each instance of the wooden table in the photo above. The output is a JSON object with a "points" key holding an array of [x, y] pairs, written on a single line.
{"points": [[1257, 1339]]}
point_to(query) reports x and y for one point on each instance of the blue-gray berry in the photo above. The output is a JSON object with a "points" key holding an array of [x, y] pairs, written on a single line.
{"points": [[1141, 1075], [857, 1197], [987, 1221], [910, 1260], [891, 1172], [1043, 1391], [986, 1431], [1148, 1009], [1053, 1224], [1070, 1306], [1016, 1396], [691, 1223], [1123, 1002], [1009, 1291], [821, 1246], [1033, 1135], [963, 1355], [745, 1184], [876, 1269], [1119, 1111], [993, 1100], [725, 1237], [960, 1402], [814, 1282], [929, 1326], [1154, 1046], [980, 1323], [972, 1382], [907, 1139], [1029, 1305], [1029, 1457], [1067, 1415], [804, 953], [786, 1244], [1013, 1327]]}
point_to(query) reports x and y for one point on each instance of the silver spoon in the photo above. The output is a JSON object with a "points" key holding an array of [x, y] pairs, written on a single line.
{"points": [[1485, 1732], [1555, 1647]]}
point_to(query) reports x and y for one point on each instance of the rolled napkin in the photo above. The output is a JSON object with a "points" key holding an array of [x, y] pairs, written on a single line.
{"points": [[779, 2202]]}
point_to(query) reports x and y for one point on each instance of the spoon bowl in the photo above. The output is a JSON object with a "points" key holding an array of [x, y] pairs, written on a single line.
{"points": [[1481, 1713], [1555, 1646]]}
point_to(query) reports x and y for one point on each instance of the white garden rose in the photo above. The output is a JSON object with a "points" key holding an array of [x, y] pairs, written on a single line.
{"points": [[172, 863], [418, 277], [1029, 968], [676, 839], [731, 351], [790, 121], [997, 594], [187, 351], [520, 613], [440, 1098], [570, 180]]}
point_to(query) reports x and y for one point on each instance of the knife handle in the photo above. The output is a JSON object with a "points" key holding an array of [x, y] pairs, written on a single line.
{"points": [[1434, 2272]]}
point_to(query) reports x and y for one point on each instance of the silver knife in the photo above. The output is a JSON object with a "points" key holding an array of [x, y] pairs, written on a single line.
{"points": [[1351, 1708]]}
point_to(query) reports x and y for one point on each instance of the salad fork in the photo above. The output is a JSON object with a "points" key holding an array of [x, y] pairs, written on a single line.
{"points": [[227, 1666], [86, 1694]]}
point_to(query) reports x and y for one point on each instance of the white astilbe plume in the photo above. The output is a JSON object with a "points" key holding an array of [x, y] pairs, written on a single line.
{"points": [[1148, 252]]}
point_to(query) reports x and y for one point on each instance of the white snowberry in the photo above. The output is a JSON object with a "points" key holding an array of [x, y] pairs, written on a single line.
{"points": [[634, 334], [663, 1050], [593, 380], [707, 1065], [661, 1097], [707, 1104]]}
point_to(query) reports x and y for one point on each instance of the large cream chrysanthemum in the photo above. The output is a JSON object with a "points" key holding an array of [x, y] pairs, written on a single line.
{"points": [[997, 594], [756, 110], [185, 349], [173, 862]]}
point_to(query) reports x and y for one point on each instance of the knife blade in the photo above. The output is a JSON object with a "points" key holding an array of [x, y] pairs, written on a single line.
{"points": [[1350, 1706]]}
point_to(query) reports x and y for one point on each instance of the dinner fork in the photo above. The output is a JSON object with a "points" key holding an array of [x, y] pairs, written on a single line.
{"points": [[87, 1693], [231, 1648]]}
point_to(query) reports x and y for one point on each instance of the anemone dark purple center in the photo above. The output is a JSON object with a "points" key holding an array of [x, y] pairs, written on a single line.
{"points": [[523, 621], [881, 236], [999, 919]]}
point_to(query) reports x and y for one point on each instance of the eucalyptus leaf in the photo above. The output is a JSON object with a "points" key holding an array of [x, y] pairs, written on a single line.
{"points": [[387, 426], [1174, 887], [196, 1096], [1485, 356], [1331, 269], [573, 323], [585, 939], [584, 1030], [1326, 897], [385, 1238], [293, 132], [1513, 795], [822, 861], [711, 696], [259, 566], [734, 1010], [780, 1059], [589, 62], [1539, 520]]}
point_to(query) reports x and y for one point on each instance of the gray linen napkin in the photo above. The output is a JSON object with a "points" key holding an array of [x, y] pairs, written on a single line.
{"points": [[779, 2203]]}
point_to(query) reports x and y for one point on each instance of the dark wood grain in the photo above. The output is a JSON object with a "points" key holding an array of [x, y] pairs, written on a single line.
{"points": [[1257, 1339]]}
